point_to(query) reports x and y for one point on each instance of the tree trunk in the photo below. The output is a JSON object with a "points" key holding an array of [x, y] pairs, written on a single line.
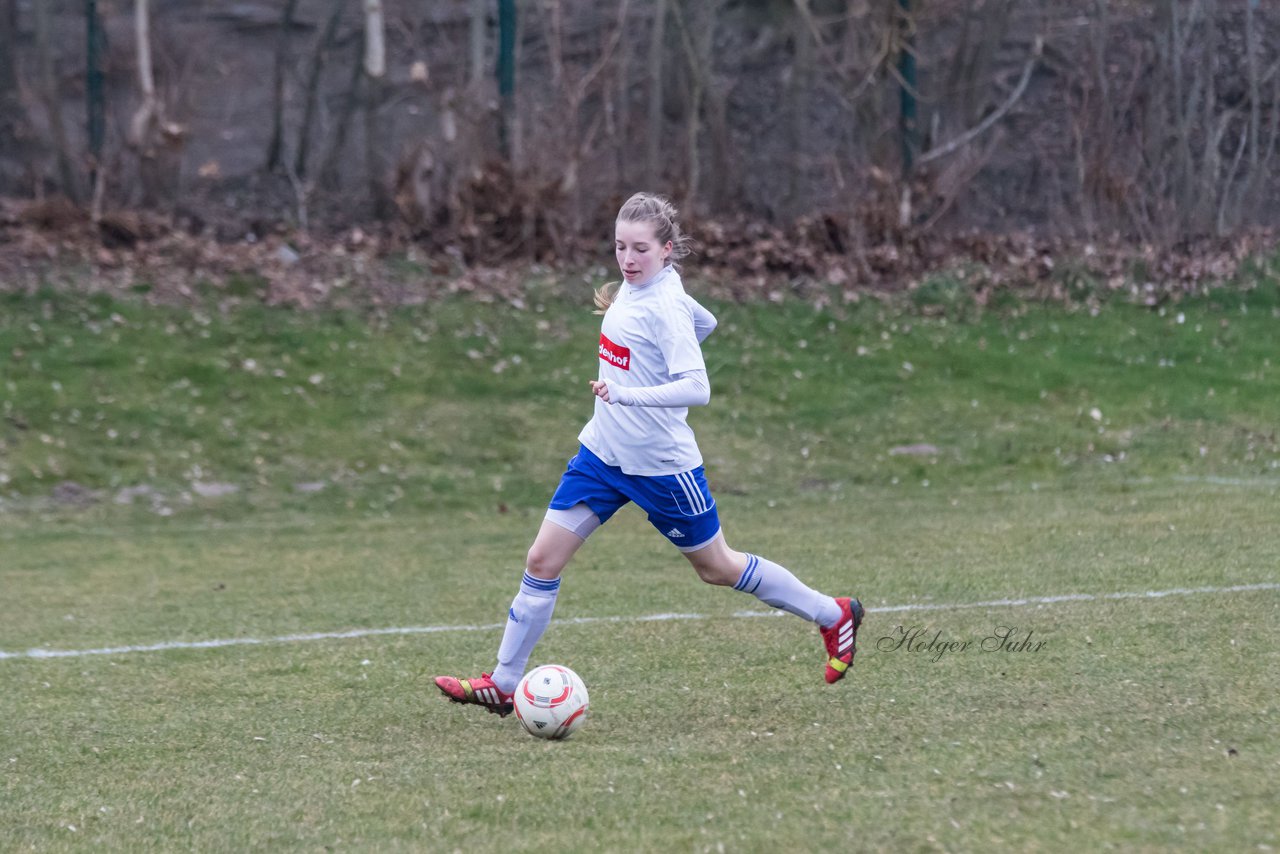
{"points": [[375, 39], [142, 126], [146, 121], [52, 95], [622, 116], [375, 69], [276, 145], [476, 31], [1255, 89], [313, 86], [653, 134], [330, 176], [13, 118], [798, 109], [96, 100], [696, 21]]}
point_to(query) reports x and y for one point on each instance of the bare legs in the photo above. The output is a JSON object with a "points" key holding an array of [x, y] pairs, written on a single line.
{"points": [[551, 551], [715, 563], [531, 610], [771, 583], [718, 564]]}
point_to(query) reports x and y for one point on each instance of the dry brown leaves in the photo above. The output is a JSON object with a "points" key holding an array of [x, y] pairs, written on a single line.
{"points": [[53, 244]]}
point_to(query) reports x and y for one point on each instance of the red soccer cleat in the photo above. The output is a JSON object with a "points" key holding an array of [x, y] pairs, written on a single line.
{"points": [[480, 692], [841, 639]]}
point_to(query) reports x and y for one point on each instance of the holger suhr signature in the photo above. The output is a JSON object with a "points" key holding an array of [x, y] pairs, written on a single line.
{"points": [[931, 642]]}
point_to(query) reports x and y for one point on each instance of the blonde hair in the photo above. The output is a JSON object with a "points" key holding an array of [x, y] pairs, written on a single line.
{"points": [[658, 212]]}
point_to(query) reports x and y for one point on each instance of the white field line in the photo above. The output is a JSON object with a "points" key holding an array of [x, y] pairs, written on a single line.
{"points": [[1037, 601]]}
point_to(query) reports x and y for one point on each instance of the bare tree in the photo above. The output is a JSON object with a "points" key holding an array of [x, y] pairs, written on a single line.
{"points": [[696, 22], [1261, 141], [617, 108], [95, 97], [14, 127], [145, 123], [312, 94], [1156, 120], [654, 127], [51, 94], [578, 130], [276, 144], [375, 69], [330, 175], [799, 105], [1187, 165], [477, 28], [142, 128], [155, 138], [970, 134]]}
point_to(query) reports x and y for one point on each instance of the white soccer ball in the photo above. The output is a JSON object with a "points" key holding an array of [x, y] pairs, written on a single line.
{"points": [[551, 702]]}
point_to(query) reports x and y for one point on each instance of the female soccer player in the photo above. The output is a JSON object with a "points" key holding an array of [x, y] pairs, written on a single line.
{"points": [[638, 447]]}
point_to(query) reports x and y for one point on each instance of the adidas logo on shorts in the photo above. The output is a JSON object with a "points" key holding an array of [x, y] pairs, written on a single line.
{"points": [[674, 532]]}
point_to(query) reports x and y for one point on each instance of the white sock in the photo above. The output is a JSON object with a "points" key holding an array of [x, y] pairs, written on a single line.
{"points": [[528, 618], [775, 585]]}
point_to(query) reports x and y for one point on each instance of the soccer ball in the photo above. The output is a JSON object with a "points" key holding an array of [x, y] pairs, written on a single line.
{"points": [[551, 702]]}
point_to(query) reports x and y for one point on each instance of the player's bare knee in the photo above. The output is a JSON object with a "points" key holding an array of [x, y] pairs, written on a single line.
{"points": [[712, 568], [542, 563]]}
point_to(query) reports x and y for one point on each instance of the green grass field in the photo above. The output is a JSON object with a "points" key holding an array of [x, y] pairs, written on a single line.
{"points": [[382, 475]]}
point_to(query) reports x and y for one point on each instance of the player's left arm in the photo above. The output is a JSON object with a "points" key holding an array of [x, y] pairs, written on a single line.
{"points": [[690, 388], [704, 322]]}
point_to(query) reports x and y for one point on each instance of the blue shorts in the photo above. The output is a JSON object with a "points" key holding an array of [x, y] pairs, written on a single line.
{"points": [[680, 505]]}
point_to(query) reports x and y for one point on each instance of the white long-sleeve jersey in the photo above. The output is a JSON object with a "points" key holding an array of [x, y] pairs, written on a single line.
{"points": [[651, 358]]}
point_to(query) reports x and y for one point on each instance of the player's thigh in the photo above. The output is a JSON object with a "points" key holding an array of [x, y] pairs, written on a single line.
{"points": [[587, 481]]}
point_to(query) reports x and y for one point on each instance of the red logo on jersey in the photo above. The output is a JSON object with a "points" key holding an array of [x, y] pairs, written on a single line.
{"points": [[619, 357]]}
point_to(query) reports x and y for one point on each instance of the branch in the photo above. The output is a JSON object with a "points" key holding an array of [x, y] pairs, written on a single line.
{"points": [[971, 134], [146, 116], [606, 54], [375, 40], [880, 57]]}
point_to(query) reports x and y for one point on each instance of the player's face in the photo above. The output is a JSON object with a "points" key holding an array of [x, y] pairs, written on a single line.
{"points": [[640, 255]]}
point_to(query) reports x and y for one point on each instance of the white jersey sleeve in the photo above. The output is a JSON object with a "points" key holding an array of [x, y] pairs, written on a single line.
{"points": [[691, 388], [673, 330], [704, 322]]}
